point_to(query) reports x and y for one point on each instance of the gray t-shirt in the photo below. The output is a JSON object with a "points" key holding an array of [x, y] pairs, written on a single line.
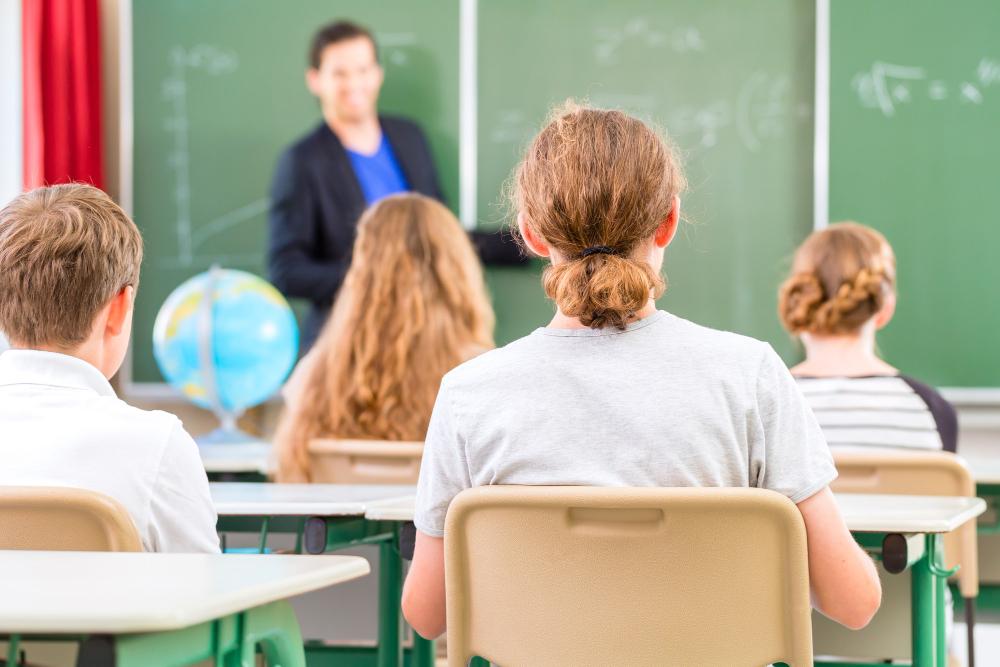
{"points": [[664, 403]]}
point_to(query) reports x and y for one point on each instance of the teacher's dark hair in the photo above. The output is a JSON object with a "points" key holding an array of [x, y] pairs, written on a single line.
{"points": [[332, 33]]}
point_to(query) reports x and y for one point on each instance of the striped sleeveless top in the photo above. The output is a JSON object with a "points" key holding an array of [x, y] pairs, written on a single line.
{"points": [[893, 411]]}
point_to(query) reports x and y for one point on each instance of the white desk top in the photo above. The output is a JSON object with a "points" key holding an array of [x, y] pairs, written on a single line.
{"points": [[69, 592], [237, 457], [394, 509], [985, 468], [863, 513], [869, 513], [264, 499]]}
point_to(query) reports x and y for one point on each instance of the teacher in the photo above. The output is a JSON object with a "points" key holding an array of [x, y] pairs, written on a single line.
{"points": [[325, 180]]}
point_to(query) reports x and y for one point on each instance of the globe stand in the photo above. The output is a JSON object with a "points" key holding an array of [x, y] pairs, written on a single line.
{"points": [[227, 433]]}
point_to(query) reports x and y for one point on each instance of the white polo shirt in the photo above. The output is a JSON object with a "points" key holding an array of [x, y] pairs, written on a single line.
{"points": [[61, 424]]}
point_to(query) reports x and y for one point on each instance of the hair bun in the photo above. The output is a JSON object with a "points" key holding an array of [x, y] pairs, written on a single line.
{"points": [[798, 300], [854, 303], [602, 289]]}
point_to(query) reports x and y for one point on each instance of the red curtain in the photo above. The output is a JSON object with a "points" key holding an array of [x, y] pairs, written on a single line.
{"points": [[62, 92]]}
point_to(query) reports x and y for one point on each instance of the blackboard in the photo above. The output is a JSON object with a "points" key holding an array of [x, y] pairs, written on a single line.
{"points": [[915, 153], [218, 92]]}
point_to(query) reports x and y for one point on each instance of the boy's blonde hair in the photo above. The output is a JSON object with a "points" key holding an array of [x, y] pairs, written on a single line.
{"points": [[65, 250]]}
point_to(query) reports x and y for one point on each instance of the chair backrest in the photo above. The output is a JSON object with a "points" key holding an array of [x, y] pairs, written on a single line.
{"points": [[921, 474], [637, 576], [64, 519], [364, 461]]}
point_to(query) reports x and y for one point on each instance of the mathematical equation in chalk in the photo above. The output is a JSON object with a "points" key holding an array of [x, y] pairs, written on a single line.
{"points": [[639, 33], [763, 109], [888, 87]]}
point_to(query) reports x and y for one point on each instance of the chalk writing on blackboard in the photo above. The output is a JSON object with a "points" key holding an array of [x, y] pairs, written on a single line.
{"points": [[761, 110], [396, 46], [609, 42], [889, 87]]}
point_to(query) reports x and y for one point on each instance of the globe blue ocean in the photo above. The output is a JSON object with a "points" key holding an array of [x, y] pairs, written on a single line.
{"points": [[247, 332]]}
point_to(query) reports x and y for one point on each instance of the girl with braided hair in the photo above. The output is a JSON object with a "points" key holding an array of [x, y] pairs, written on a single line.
{"points": [[841, 291]]}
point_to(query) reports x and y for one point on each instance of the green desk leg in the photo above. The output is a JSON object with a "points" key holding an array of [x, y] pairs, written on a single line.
{"points": [[275, 629], [13, 644], [935, 545], [940, 583], [390, 584], [423, 652], [228, 642], [924, 619]]}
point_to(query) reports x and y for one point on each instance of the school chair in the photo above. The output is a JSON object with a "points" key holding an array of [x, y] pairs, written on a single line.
{"points": [[923, 473], [626, 576], [365, 461], [64, 519]]}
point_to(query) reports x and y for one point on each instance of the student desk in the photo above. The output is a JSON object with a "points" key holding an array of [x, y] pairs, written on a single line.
{"points": [[237, 461], [328, 517], [152, 610], [985, 468], [905, 531]]}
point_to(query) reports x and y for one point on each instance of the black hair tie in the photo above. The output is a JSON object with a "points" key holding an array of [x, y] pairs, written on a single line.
{"points": [[598, 250]]}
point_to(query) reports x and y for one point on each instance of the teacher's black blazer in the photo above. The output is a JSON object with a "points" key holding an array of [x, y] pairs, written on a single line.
{"points": [[316, 201]]}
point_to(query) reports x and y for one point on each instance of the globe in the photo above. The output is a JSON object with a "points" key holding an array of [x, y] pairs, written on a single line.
{"points": [[226, 340]]}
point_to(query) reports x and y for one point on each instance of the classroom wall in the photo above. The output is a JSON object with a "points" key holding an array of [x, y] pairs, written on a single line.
{"points": [[111, 95]]}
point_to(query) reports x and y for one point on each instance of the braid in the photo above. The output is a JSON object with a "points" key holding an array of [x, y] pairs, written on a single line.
{"points": [[798, 300], [853, 304]]}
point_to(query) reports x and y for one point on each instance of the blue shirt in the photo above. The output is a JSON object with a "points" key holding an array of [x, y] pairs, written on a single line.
{"points": [[379, 174]]}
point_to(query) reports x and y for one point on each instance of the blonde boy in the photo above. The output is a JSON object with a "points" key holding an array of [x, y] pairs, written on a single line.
{"points": [[69, 268]]}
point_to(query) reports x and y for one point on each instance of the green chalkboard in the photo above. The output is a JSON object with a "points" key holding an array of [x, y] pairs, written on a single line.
{"points": [[733, 83], [915, 152], [219, 92]]}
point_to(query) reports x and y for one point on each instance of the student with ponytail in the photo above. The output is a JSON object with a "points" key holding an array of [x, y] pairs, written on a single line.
{"points": [[842, 290], [614, 392]]}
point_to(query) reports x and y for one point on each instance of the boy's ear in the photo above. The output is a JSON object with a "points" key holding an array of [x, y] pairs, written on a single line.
{"points": [[668, 228], [120, 310], [534, 242]]}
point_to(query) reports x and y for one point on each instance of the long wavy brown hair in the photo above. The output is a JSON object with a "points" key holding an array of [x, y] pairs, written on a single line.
{"points": [[412, 307]]}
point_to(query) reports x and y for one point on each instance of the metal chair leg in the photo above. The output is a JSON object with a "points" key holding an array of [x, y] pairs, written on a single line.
{"points": [[970, 625]]}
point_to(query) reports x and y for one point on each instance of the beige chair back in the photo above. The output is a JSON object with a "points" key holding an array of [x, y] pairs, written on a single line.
{"points": [[64, 519], [918, 474], [626, 576], [365, 461]]}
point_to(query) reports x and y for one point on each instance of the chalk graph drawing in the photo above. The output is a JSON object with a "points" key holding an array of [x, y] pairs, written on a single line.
{"points": [[209, 61]]}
